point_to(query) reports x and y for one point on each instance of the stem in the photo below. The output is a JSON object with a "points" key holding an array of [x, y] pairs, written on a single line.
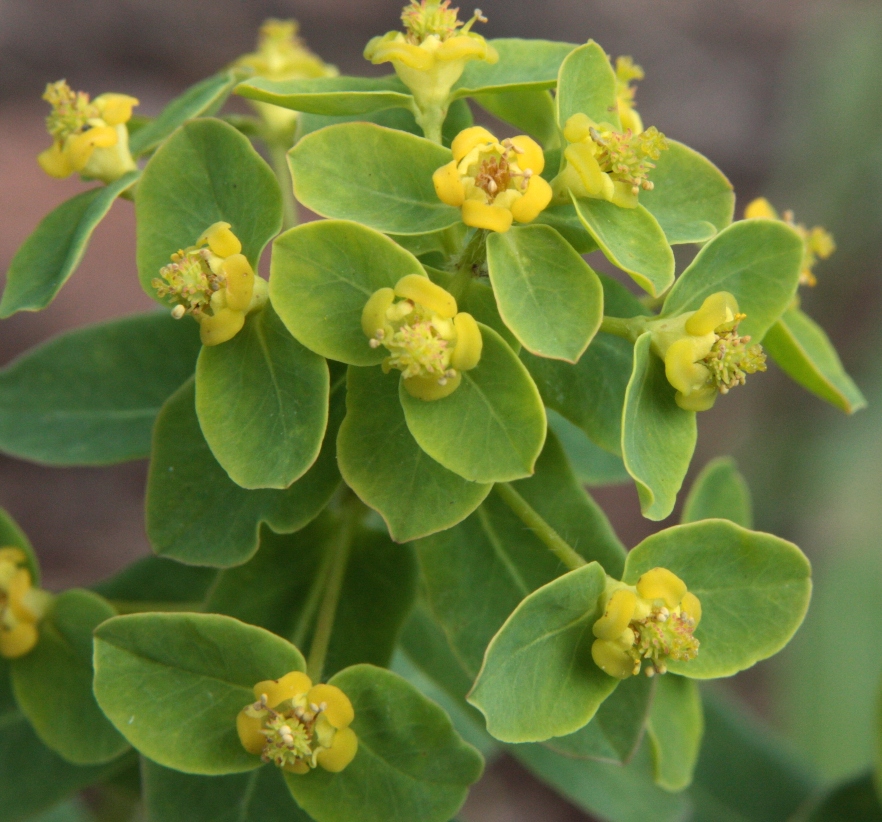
{"points": [[278, 152], [531, 518], [307, 615], [473, 256], [339, 550], [629, 329], [431, 120]]}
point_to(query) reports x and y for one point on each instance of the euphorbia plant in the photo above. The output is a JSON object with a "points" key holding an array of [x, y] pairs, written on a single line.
{"points": [[355, 461]]}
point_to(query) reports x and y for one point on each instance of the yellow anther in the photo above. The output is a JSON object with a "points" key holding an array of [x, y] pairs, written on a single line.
{"points": [[660, 583], [760, 208], [422, 290], [717, 309], [220, 239]]}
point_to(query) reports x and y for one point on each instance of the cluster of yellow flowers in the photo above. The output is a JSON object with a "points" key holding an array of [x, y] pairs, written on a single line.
{"points": [[21, 605], [298, 726]]}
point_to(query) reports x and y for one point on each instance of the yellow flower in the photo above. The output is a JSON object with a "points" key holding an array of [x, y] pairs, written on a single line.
{"points": [[428, 339], [626, 71], [431, 56], [215, 284], [21, 605], [652, 621], [818, 243], [703, 353], [606, 164], [298, 725], [282, 55], [494, 183], [88, 137]]}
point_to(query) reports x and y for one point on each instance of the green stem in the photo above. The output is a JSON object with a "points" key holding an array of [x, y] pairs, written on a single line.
{"points": [[307, 614], [532, 519], [321, 639], [473, 257], [278, 152], [629, 329]]}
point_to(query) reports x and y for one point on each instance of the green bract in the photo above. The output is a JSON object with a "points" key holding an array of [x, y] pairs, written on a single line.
{"points": [[379, 456]]}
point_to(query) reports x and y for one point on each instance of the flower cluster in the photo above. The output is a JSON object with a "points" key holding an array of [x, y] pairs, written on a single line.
{"points": [[651, 621], [282, 55], [627, 71], [703, 352], [818, 243], [606, 164], [214, 282], [89, 137], [495, 183], [431, 56], [21, 605], [429, 340], [299, 726]]}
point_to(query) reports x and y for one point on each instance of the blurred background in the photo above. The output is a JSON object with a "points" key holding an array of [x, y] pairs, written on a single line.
{"points": [[783, 95]]}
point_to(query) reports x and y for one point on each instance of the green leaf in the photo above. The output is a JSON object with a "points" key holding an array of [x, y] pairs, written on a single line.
{"points": [[12, 536], [172, 796], [157, 581], [563, 219], [373, 175], [587, 84], [804, 352], [51, 254], [524, 65], [33, 777], [855, 800], [758, 261], [173, 685], [754, 590], [323, 274], [547, 294], [615, 733], [410, 764], [631, 239], [205, 172], [658, 437], [531, 112], [691, 198], [197, 514], [201, 100], [91, 396], [591, 465], [380, 460], [744, 773], [261, 399], [279, 590], [719, 492], [538, 679], [676, 725], [330, 95], [611, 792], [53, 683], [491, 429]]}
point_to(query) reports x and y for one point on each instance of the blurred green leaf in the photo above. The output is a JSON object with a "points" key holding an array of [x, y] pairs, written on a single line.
{"points": [[531, 112], [329, 95], [590, 463], [675, 729], [587, 85], [719, 491], [854, 801]]}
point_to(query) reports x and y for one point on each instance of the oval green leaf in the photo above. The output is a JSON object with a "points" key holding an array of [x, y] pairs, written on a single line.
{"points": [[204, 173], [410, 764], [374, 175], [658, 437], [719, 492], [547, 294], [531, 112], [198, 515], [91, 396], [330, 95], [262, 403], [804, 352], [538, 679], [754, 590], [631, 239], [173, 684], [587, 84], [491, 429], [758, 261], [591, 465], [675, 730], [53, 683], [691, 198], [200, 100], [51, 254], [380, 460], [523, 65], [323, 273]]}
